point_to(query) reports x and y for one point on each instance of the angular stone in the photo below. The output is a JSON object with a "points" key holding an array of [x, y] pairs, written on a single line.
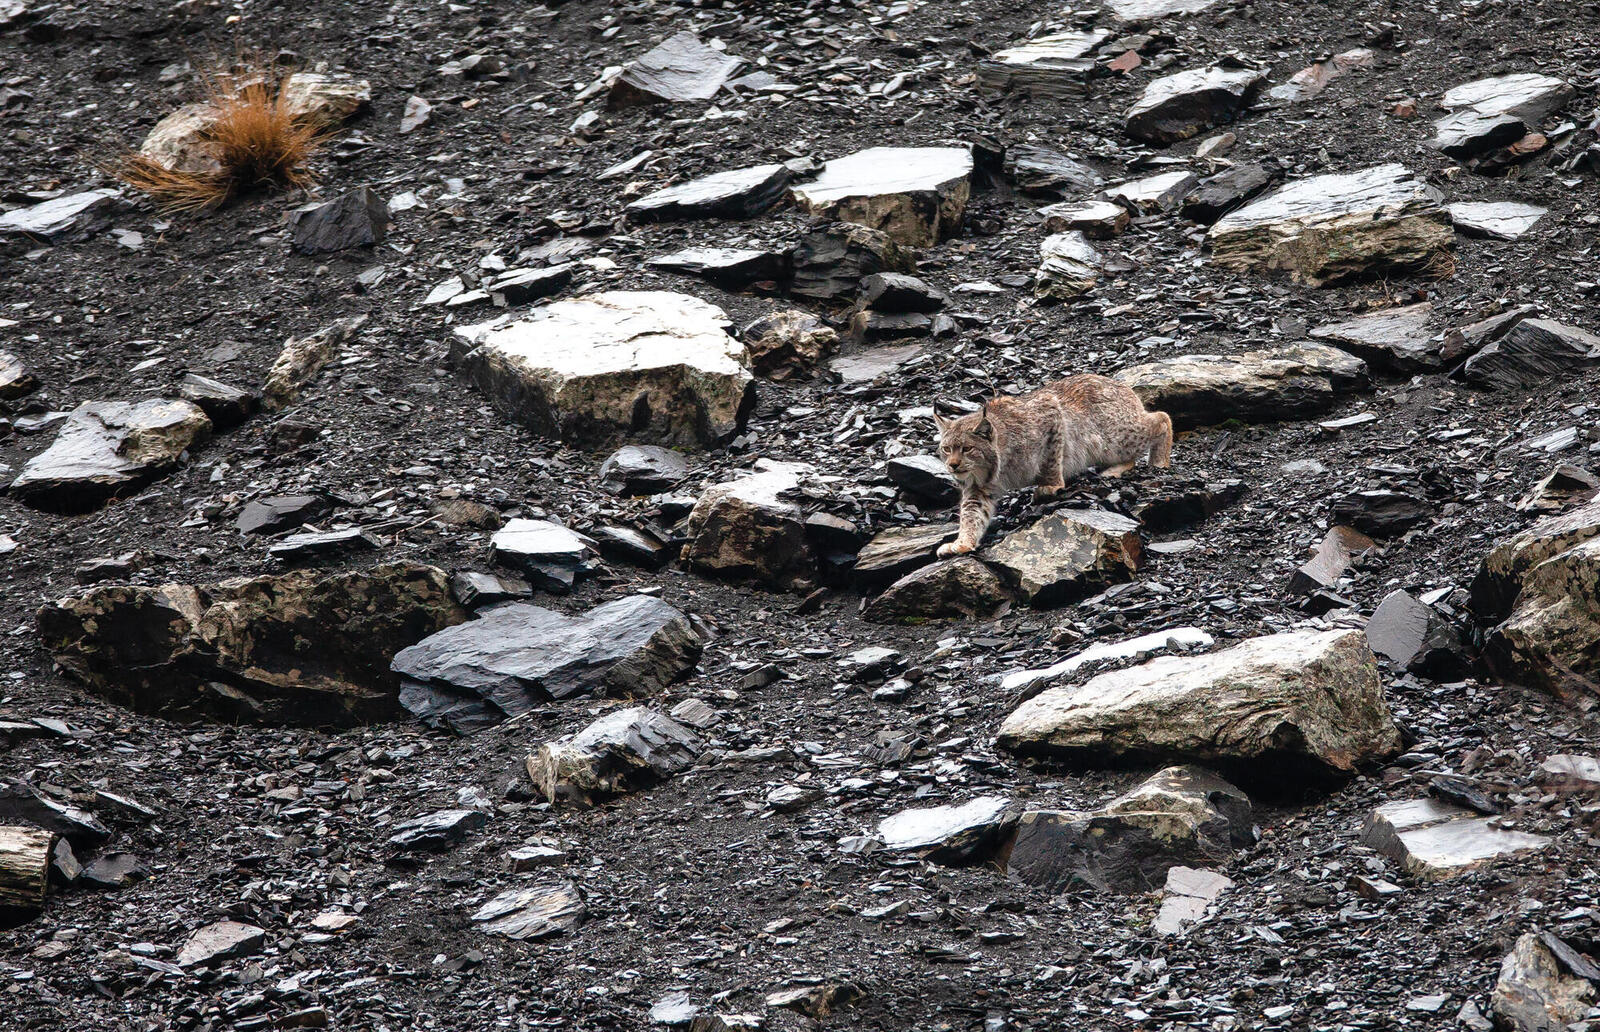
{"points": [[15, 380], [110, 449], [895, 552], [1225, 191], [926, 477], [475, 590], [897, 292], [1565, 485], [1329, 228], [1463, 341], [652, 365], [732, 268], [738, 194], [1043, 171], [1154, 10], [302, 358], [1499, 577], [1467, 134], [1334, 554], [1143, 646], [553, 556], [1381, 514], [222, 940], [525, 286], [1186, 896], [1539, 990], [359, 218], [1176, 107], [1295, 381], [280, 512], [646, 469], [1500, 220], [1178, 505], [1154, 194], [1552, 637], [787, 344], [874, 327], [815, 1001], [915, 195], [437, 831], [1532, 352], [1397, 340], [515, 656], [957, 588], [1069, 267], [829, 263], [1068, 554], [1301, 701], [323, 542], [869, 366], [538, 911], [1527, 95], [969, 833], [1053, 66], [1097, 220], [622, 751], [114, 871], [225, 405], [1180, 815], [1310, 81], [1569, 772], [299, 648], [681, 69], [743, 529], [21, 802], [626, 544], [1416, 637], [64, 220], [1433, 840]]}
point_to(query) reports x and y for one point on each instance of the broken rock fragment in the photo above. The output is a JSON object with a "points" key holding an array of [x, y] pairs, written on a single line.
{"points": [[620, 752], [15, 380], [1530, 353], [1398, 340], [110, 449], [737, 194], [967, 833], [1097, 220], [830, 262], [915, 195], [1227, 190], [222, 940], [962, 587], [1067, 554], [1069, 266], [655, 366], [1052, 66], [538, 911], [645, 469], [517, 655], [745, 529], [681, 69], [731, 268], [359, 218], [1290, 382], [1306, 701], [1329, 228], [553, 557], [788, 344], [63, 220], [1434, 840], [1544, 986], [1500, 220], [1416, 637], [1499, 578], [436, 831], [1178, 106], [1552, 637]]}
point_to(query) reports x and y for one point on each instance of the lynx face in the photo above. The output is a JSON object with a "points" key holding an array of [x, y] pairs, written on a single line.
{"points": [[967, 447]]}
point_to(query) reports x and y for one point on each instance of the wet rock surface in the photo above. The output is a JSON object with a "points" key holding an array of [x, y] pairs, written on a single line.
{"points": [[1291, 382]]}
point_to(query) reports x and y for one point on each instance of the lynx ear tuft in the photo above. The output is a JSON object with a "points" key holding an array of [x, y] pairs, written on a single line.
{"points": [[984, 429], [939, 421]]}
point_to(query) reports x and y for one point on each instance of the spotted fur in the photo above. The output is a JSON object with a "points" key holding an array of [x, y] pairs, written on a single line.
{"points": [[1044, 439]]}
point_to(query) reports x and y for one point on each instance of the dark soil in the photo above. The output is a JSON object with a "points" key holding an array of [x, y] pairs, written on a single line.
{"points": [[696, 885]]}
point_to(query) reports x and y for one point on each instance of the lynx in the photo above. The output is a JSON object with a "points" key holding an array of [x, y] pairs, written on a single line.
{"points": [[1045, 439]]}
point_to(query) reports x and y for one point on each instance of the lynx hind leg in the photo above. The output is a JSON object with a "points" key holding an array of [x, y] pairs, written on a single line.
{"points": [[1160, 425], [1117, 470]]}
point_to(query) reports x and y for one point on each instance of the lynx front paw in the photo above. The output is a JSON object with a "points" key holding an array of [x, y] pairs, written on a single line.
{"points": [[1045, 492], [953, 548]]}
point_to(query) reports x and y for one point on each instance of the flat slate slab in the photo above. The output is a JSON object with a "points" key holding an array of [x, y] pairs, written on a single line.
{"points": [[1529, 96], [1151, 10], [1067, 554], [108, 449], [1157, 193], [1069, 266], [916, 195], [1399, 340], [1532, 352], [736, 194], [1290, 382], [63, 219], [1176, 107], [1435, 840], [730, 267], [950, 834], [1501, 220], [1329, 228], [681, 69], [652, 365], [1047, 66], [538, 911]]}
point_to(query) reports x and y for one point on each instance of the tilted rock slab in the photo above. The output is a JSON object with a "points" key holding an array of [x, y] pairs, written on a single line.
{"points": [[1532, 352], [1329, 228], [1176, 107], [1051, 66], [297, 648], [967, 833], [1538, 990], [517, 655], [744, 530], [962, 587], [1435, 840], [622, 751], [110, 449], [1291, 382], [736, 194], [1529, 96], [650, 365], [1399, 340], [539, 911], [1552, 637], [680, 69], [916, 195], [1499, 578], [1067, 554], [61, 220], [1069, 266], [1308, 701]]}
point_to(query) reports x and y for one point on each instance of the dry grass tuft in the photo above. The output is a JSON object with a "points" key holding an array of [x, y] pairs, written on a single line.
{"points": [[257, 138]]}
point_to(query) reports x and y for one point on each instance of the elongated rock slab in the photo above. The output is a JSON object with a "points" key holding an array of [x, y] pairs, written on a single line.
{"points": [[539, 911], [1069, 553], [1538, 990], [1499, 578], [950, 834], [1310, 701], [1529, 96], [1552, 637], [916, 195], [1500, 220], [654, 366], [1398, 340], [109, 449], [1435, 840], [1532, 352], [1292, 382], [740, 193], [1176, 107], [1329, 228], [63, 219], [679, 70], [517, 655], [623, 750], [1049, 66]]}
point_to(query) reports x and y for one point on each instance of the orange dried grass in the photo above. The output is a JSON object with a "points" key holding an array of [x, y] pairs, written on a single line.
{"points": [[256, 136]]}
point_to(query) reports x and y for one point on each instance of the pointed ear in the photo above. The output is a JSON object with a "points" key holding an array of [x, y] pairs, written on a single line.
{"points": [[939, 421], [984, 429]]}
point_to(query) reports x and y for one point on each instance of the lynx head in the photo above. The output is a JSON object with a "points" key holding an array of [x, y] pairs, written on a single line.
{"points": [[967, 446]]}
